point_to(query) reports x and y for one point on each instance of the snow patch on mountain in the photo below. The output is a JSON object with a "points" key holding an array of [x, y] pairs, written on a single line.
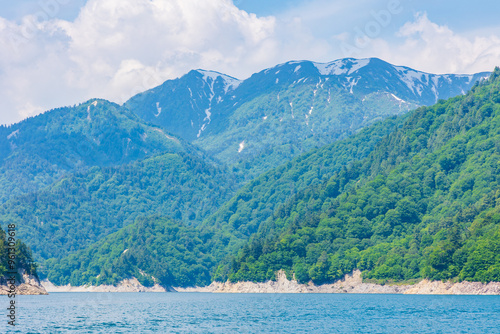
{"points": [[209, 114], [13, 134], [341, 66], [333, 68], [203, 127], [211, 77], [242, 146], [356, 65], [397, 98], [411, 78], [351, 83], [158, 109]]}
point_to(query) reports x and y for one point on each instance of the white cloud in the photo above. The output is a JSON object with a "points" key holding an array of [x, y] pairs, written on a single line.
{"points": [[434, 48], [116, 48]]}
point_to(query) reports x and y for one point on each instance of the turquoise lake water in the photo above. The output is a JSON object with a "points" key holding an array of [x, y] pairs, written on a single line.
{"points": [[253, 313]]}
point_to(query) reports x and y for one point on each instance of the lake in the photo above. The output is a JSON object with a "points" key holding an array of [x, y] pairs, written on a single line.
{"points": [[254, 313]]}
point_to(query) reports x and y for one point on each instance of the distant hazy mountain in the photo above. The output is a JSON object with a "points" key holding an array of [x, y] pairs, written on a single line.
{"points": [[281, 112]]}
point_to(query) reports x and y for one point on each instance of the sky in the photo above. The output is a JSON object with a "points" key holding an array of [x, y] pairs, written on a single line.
{"points": [[56, 53]]}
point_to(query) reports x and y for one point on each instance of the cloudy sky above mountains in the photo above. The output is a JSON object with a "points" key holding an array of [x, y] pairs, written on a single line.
{"points": [[61, 52]]}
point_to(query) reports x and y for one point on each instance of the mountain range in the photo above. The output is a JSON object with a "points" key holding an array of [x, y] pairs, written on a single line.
{"points": [[282, 112], [408, 198], [200, 103], [204, 176]]}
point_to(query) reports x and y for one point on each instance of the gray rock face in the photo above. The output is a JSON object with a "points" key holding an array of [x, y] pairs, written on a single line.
{"points": [[30, 285], [351, 284]]}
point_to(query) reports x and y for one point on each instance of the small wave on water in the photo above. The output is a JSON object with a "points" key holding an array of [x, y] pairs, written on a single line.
{"points": [[256, 313]]}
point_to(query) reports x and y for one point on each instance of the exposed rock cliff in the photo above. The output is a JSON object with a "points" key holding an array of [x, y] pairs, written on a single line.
{"points": [[30, 285], [128, 285], [350, 284]]}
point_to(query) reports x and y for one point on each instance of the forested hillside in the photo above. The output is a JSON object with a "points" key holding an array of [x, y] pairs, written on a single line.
{"points": [[424, 204], [152, 249], [37, 151], [181, 247], [241, 216], [100, 196], [23, 258], [282, 112], [82, 208]]}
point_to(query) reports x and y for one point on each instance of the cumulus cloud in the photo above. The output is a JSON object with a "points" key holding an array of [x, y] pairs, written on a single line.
{"points": [[116, 48], [435, 48]]}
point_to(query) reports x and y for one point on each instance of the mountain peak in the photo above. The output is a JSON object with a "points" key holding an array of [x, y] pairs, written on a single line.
{"points": [[342, 66], [230, 83]]}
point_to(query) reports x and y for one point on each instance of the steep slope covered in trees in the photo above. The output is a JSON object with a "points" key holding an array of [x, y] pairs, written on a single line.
{"points": [[153, 249], [221, 234], [82, 208], [39, 150], [425, 204], [23, 258], [281, 112], [421, 202]]}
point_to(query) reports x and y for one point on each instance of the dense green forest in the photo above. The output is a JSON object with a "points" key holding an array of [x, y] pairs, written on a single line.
{"points": [[424, 204], [223, 233], [39, 150], [154, 250], [241, 216], [414, 196], [82, 208], [23, 258], [408, 198]]}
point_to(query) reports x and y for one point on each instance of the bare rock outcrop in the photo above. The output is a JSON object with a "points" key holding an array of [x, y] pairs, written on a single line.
{"points": [[127, 285], [30, 285], [352, 283], [447, 288]]}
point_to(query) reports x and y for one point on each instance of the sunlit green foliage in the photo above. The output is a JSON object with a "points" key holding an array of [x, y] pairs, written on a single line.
{"points": [[152, 250], [405, 199], [38, 151], [23, 258], [424, 204], [82, 208]]}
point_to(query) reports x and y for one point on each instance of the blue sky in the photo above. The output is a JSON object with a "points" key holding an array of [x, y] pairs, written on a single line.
{"points": [[459, 15], [62, 52]]}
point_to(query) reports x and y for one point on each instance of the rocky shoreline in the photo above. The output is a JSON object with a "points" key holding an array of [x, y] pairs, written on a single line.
{"points": [[30, 286], [351, 284], [128, 285]]}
